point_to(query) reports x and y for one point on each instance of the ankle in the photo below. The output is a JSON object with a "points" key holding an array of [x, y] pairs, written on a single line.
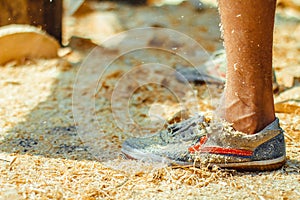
{"points": [[249, 117], [251, 124]]}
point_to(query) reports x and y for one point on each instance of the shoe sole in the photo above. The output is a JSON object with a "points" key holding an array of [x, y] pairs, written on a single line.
{"points": [[261, 165]]}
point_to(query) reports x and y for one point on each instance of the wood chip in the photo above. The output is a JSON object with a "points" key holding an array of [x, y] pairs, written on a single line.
{"points": [[19, 42]]}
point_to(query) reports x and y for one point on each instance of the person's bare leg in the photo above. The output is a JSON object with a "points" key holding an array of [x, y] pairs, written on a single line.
{"points": [[248, 38]]}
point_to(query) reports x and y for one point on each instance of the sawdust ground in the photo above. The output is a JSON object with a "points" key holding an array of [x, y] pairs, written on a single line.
{"points": [[42, 156]]}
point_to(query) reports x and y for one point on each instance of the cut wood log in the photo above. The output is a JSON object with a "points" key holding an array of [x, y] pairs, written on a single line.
{"points": [[20, 42], [45, 14]]}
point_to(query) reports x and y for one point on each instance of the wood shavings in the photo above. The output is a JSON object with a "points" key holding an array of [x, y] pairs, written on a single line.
{"points": [[8, 159], [43, 157]]}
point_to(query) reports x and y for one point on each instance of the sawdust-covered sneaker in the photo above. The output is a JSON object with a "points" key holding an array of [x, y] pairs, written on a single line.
{"points": [[202, 143]]}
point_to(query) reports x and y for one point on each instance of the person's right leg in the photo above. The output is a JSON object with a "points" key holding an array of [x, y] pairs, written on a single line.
{"points": [[248, 37]]}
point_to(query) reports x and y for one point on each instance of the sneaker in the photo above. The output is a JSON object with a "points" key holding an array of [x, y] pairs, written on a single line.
{"points": [[201, 142], [213, 72]]}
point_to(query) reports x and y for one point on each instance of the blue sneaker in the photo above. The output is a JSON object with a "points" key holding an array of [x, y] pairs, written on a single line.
{"points": [[201, 142]]}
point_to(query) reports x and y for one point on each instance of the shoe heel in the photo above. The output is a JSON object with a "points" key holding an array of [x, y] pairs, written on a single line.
{"points": [[272, 149]]}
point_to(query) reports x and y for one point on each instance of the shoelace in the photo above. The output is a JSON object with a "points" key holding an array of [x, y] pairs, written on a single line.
{"points": [[185, 129]]}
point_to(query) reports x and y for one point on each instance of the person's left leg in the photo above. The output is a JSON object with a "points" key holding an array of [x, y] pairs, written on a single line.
{"points": [[248, 38], [197, 139]]}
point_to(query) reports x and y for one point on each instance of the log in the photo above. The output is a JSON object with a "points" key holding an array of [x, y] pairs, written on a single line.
{"points": [[21, 42]]}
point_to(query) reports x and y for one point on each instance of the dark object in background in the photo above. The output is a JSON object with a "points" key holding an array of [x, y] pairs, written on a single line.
{"points": [[132, 2], [46, 14]]}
